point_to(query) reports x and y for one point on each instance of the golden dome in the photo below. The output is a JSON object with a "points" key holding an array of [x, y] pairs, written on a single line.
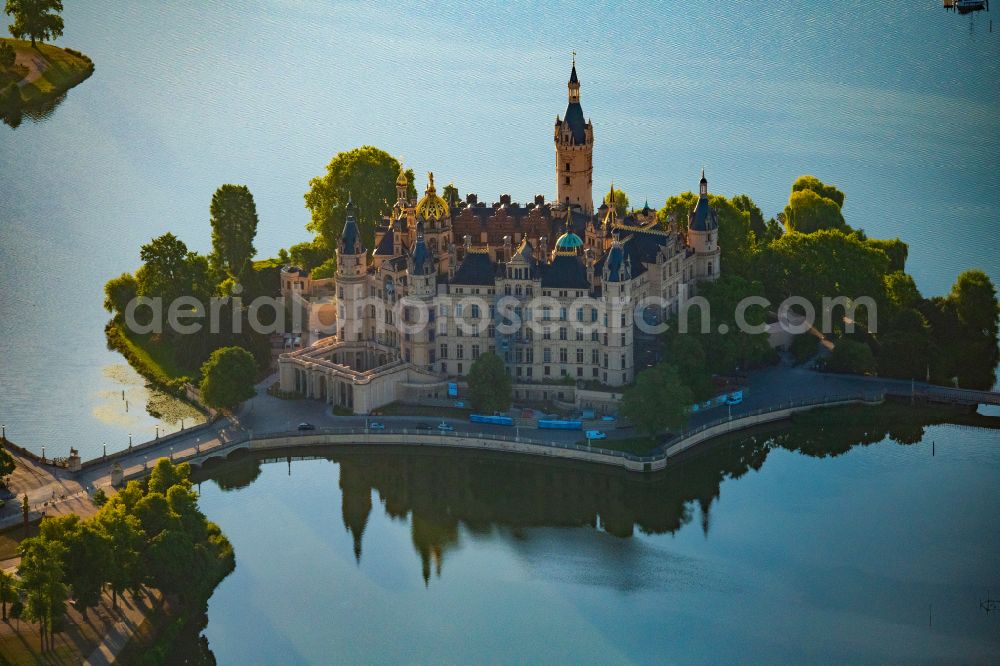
{"points": [[431, 206]]}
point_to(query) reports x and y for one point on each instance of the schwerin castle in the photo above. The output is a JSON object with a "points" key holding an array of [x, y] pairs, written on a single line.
{"points": [[549, 286]]}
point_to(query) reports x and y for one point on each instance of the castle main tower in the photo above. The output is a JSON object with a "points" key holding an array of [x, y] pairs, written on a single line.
{"points": [[574, 138]]}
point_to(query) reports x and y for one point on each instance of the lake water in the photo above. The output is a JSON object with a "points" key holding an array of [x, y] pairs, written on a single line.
{"points": [[897, 103], [795, 549]]}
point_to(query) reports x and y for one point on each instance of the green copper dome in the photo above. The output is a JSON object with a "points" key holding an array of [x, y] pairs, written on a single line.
{"points": [[569, 241]]}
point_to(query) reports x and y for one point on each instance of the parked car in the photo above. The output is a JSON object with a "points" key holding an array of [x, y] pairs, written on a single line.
{"points": [[445, 427], [375, 425], [609, 418], [735, 398], [460, 403], [595, 434], [306, 426], [424, 426]]}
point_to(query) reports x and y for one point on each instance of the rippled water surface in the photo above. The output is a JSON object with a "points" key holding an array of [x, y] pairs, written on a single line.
{"points": [[896, 103]]}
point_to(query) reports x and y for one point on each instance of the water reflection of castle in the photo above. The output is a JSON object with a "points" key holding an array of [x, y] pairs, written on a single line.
{"points": [[441, 491]]}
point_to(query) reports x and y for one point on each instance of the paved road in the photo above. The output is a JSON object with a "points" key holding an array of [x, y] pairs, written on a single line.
{"points": [[766, 389]]}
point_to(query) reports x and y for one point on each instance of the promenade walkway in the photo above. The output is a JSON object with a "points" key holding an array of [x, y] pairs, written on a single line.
{"points": [[58, 490]]}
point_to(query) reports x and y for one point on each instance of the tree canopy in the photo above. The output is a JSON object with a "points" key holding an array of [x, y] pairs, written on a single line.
{"points": [[234, 226], [119, 292], [736, 240], [35, 19], [825, 263], [808, 211], [489, 384], [228, 377], [366, 175], [6, 464], [851, 356], [658, 401], [170, 271], [808, 182]]}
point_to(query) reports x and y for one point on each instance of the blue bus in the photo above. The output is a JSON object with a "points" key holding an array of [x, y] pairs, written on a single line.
{"points": [[495, 420], [554, 424]]}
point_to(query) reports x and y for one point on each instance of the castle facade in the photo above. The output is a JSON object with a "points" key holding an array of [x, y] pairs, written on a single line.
{"points": [[555, 288]]}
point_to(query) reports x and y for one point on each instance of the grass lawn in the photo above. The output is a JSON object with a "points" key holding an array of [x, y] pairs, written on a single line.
{"points": [[156, 359], [50, 69], [638, 445]]}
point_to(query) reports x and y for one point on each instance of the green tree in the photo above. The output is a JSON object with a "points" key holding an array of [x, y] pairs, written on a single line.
{"points": [[807, 212], [8, 592], [736, 239], [228, 377], [974, 299], [851, 356], [489, 384], [119, 292], [658, 400], [451, 195], [234, 227], [676, 210], [688, 355], [87, 552], [126, 537], [35, 19], [901, 290], [41, 572], [169, 270], [773, 230], [744, 203], [620, 203], [7, 464], [725, 345], [813, 183], [367, 175], [825, 263], [895, 249], [311, 254], [166, 475], [904, 352], [8, 56]]}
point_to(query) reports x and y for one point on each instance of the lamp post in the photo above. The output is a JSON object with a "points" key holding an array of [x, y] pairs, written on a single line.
{"points": [[130, 440], [157, 431], [104, 445], [4, 430]]}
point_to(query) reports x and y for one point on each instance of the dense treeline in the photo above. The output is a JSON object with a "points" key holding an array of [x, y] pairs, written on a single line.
{"points": [[809, 250], [151, 533], [174, 274]]}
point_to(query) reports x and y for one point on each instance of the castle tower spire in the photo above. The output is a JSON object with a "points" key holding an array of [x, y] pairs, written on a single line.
{"points": [[574, 139]]}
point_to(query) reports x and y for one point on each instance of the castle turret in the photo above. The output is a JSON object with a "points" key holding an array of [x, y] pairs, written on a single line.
{"points": [[703, 235], [574, 139], [352, 267]]}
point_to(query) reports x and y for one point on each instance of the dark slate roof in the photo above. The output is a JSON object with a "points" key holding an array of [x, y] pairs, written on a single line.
{"points": [[572, 76], [385, 246], [615, 257], [577, 124], [350, 235], [641, 248], [565, 272], [477, 268], [703, 218]]}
